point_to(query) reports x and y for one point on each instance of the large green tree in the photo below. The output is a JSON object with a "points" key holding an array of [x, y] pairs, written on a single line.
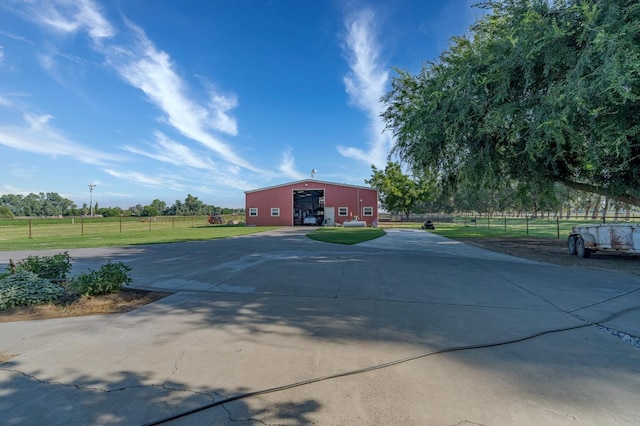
{"points": [[49, 204], [398, 191], [537, 92]]}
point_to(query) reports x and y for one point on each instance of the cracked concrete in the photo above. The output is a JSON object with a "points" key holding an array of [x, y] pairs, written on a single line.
{"points": [[339, 281], [274, 309]]}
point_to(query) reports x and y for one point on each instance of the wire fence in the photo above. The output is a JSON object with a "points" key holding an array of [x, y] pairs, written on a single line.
{"points": [[549, 226], [67, 226], [503, 225]]}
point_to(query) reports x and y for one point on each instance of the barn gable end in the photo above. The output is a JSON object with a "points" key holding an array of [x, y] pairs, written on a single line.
{"points": [[297, 203]]}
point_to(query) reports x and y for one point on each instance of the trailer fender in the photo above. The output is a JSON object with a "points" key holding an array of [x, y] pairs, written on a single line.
{"points": [[589, 240]]}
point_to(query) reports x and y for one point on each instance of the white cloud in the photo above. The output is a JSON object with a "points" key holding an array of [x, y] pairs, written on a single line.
{"points": [[172, 152], [66, 16], [1, 54], [160, 181], [46, 61], [365, 84], [151, 70], [38, 137], [219, 104], [288, 168]]}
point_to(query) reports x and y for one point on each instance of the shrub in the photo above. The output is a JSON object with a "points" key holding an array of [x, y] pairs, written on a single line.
{"points": [[6, 213], [110, 278], [53, 268], [25, 288]]}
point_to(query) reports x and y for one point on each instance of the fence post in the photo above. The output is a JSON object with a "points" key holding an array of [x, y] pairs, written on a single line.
{"points": [[558, 226], [173, 221], [149, 223], [29, 228], [82, 225], [192, 221], [121, 224], [527, 217], [505, 223]]}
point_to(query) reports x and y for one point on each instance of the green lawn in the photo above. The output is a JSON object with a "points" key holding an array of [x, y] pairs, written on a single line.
{"points": [[101, 233], [345, 235], [499, 227], [465, 227]]}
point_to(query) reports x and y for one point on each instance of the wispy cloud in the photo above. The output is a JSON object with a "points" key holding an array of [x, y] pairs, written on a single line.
{"points": [[158, 181], [191, 166], [151, 70], [288, 168], [169, 151], [66, 16], [142, 65], [39, 137], [365, 84]]}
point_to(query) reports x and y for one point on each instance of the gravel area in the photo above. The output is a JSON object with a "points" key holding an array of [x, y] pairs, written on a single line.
{"points": [[555, 251]]}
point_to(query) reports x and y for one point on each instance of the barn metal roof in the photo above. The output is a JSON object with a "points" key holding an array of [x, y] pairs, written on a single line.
{"points": [[310, 181]]}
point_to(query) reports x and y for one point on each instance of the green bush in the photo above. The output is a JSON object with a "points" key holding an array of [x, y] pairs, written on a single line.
{"points": [[53, 268], [6, 213], [25, 288], [110, 278]]}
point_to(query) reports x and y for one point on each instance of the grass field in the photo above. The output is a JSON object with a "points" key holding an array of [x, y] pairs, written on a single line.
{"points": [[463, 227], [67, 233], [345, 235]]}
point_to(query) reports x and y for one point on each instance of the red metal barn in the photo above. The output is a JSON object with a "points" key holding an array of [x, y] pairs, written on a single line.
{"points": [[309, 202]]}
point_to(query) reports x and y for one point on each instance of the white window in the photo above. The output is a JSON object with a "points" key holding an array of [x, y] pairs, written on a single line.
{"points": [[343, 211], [367, 211], [275, 211], [253, 212]]}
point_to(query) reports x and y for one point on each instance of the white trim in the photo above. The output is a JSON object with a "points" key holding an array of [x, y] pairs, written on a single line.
{"points": [[346, 211], [364, 211], [253, 212], [275, 210]]}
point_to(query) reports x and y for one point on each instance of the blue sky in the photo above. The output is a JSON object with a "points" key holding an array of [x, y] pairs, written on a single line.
{"points": [[159, 99]]}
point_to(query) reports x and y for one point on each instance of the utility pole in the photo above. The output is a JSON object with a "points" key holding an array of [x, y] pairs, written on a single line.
{"points": [[91, 186]]}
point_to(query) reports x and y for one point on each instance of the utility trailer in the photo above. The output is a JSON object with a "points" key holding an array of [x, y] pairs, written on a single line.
{"points": [[586, 239]]}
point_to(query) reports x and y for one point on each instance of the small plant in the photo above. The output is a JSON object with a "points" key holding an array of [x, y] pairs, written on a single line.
{"points": [[53, 268], [110, 278], [25, 288]]}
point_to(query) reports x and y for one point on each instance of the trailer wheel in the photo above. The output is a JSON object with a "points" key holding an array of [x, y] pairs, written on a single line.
{"points": [[581, 250], [571, 244]]}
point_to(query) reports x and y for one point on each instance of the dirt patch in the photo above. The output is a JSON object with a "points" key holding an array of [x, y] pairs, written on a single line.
{"points": [[122, 301], [555, 251], [6, 357]]}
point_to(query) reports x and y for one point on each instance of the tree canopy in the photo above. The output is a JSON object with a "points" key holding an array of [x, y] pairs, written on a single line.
{"points": [[49, 204], [538, 92], [52, 204], [399, 192]]}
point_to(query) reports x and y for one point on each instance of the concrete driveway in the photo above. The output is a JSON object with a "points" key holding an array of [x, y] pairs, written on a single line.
{"points": [[273, 309]]}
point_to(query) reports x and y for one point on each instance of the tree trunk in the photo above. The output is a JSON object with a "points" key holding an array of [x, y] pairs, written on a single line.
{"points": [[596, 208], [605, 208], [587, 208]]}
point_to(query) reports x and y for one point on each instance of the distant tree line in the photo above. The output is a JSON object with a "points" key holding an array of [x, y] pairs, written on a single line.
{"points": [[407, 193], [51, 204]]}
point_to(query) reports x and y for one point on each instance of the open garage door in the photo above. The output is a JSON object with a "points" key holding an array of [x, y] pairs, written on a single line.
{"points": [[308, 206]]}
